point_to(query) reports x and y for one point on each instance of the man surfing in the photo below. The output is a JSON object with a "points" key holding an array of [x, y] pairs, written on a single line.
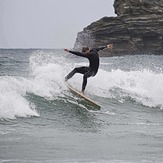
{"points": [[93, 57]]}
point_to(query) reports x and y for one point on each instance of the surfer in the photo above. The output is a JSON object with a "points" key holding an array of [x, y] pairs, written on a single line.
{"points": [[93, 57]]}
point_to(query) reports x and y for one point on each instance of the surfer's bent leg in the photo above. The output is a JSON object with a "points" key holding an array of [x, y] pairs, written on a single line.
{"points": [[86, 75], [81, 70]]}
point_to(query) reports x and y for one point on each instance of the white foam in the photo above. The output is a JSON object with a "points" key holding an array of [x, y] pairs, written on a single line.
{"points": [[13, 103], [143, 86], [47, 80], [47, 75]]}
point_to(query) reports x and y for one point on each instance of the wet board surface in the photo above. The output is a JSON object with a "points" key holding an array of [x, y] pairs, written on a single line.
{"points": [[76, 92]]}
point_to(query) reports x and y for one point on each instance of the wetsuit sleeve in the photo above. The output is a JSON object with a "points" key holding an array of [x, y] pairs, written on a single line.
{"points": [[78, 53], [98, 49]]}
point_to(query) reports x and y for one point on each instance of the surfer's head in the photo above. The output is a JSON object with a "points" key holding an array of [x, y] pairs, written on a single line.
{"points": [[85, 49]]}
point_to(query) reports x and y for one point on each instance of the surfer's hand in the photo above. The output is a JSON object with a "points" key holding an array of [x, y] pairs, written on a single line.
{"points": [[110, 46], [67, 50]]}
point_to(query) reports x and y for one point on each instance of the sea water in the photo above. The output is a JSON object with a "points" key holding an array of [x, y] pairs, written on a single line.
{"points": [[42, 122]]}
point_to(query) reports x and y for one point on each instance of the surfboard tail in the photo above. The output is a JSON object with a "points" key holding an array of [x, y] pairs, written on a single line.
{"points": [[82, 95]]}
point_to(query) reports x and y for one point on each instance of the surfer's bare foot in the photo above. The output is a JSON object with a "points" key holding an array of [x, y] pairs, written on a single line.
{"points": [[82, 92]]}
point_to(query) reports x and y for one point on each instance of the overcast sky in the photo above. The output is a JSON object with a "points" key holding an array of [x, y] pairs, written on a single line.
{"points": [[48, 23]]}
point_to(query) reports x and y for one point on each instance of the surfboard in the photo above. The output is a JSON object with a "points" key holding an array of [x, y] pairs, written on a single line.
{"points": [[81, 95]]}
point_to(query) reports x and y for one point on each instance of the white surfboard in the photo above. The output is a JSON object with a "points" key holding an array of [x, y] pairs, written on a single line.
{"points": [[76, 92]]}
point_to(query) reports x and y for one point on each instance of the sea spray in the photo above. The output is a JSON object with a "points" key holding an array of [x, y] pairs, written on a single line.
{"points": [[13, 102], [140, 85], [143, 86], [47, 74]]}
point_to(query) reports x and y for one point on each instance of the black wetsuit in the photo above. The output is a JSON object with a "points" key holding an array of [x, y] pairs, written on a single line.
{"points": [[93, 58]]}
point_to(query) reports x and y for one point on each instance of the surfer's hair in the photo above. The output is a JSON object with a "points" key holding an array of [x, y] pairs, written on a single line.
{"points": [[85, 49]]}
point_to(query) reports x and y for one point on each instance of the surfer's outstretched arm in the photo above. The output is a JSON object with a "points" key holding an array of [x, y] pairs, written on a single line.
{"points": [[76, 53], [109, 46]]}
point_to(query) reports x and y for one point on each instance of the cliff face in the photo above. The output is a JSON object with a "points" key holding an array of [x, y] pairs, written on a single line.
{"points": [[137, 29]]}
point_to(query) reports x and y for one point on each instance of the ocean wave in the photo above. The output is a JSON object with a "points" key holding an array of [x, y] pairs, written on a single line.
{"points": [[143, 86], [46, 79], [13, 102]]}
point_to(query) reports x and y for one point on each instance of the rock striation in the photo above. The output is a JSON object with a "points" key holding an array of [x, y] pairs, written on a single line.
{"points": [[137, 29]]}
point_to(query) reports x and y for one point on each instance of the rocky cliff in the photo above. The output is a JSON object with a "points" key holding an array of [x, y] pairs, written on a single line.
{"points": [[137, 29]]}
